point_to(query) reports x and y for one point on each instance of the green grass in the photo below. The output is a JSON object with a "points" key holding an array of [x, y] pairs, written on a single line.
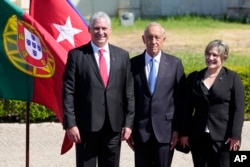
{"points": [[201, 29], [183, 23], [241, 64], [192, 25], [197, 62]]}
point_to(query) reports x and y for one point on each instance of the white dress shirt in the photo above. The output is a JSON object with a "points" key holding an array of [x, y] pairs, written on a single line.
{"points": [[148, 61], [106, 55]]}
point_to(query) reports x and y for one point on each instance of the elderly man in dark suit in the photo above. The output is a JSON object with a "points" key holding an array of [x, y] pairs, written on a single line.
{"points": [[98, 97], [159, 81]]}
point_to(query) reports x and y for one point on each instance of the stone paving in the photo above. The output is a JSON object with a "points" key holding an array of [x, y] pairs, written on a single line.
{"points": [[45, 146]]}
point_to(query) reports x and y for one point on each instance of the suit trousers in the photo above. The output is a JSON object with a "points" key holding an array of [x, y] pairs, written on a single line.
{"points": [[153, 154], [103, 145], [209, 153]]}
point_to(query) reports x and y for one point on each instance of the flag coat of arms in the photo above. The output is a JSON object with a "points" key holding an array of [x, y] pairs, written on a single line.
{"points": [[31, 61]]}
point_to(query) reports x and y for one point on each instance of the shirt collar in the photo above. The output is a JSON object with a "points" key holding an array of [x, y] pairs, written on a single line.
{"points": [[148, 57], [96, 48]]}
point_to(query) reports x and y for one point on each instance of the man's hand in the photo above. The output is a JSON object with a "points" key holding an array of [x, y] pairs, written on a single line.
{"points": [[234, 144], [174, 140], [126, 132], [184, 141], [74, 135]]}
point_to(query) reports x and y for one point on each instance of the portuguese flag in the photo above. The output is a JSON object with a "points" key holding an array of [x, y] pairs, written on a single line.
{"points": [[31, 61]]}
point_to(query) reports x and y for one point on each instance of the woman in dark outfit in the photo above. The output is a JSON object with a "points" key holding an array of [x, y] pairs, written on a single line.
{"points": [[212, 125]]}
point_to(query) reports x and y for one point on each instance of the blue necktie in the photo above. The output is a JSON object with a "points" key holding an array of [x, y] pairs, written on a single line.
{"points": [[152, 76]]}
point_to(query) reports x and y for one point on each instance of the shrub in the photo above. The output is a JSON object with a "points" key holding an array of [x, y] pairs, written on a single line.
{"points": [[15, 111]]}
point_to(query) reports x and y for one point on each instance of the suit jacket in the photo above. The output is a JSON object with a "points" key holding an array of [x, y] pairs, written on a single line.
{"points": [[158, 113], [85, 99], [222, 111]]}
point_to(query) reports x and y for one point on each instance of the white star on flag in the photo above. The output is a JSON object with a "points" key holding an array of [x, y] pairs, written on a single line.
{"points": [[67, 32]]}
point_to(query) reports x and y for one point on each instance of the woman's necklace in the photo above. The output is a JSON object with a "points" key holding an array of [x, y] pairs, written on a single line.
{"points": [[211, 75]]}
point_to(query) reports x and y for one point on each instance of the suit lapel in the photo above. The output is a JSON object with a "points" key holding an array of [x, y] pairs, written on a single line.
{"points": [[90, 57], [163, 67], [112, 53], [215, 87], [217, 83], [141, 66], [198, 83]]}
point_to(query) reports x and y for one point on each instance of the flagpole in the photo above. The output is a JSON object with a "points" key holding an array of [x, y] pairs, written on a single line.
{"points": [[28, 120], [27, 133], [30, 7]]}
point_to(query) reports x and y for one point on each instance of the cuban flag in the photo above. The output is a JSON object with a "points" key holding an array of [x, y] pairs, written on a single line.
{"points": [[62, 20], [68, 27]]}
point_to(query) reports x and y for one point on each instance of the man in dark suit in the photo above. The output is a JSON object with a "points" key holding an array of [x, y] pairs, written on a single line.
{"points": [[158, 101], [98, 97]]}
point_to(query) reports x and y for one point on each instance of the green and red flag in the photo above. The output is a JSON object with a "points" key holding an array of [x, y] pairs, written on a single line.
{"points": [[31, 61], [68, 27]]}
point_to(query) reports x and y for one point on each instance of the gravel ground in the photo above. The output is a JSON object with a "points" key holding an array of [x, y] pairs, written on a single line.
{"points": [[45, 145]]}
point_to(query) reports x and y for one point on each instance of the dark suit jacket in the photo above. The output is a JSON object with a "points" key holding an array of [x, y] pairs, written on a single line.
{"points": [[85, 97], [158, 113], [222, 110]]}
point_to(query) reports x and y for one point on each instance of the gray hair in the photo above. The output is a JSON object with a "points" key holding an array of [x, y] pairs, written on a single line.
{"points": [[99, 15], [222, 47], [155, 24]]}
